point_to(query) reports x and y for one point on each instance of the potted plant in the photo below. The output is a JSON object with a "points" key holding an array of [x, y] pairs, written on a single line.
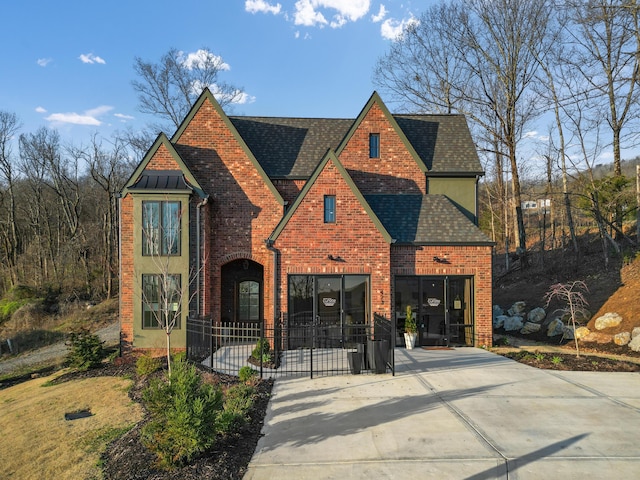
{"points": [[410, 329]]}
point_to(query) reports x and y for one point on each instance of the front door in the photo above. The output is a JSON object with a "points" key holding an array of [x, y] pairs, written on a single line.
{"points": [[329, 311], [432, 327]]}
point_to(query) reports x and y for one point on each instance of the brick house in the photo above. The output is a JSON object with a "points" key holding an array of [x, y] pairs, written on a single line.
{"points": [[335, 219]]}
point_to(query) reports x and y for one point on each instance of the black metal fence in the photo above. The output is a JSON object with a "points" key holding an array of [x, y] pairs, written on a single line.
{"points": [[284, 350]]}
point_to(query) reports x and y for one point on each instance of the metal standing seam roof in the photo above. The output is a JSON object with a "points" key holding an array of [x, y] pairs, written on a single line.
{"points": [[293, 147], [161, 180], [428, 219]]}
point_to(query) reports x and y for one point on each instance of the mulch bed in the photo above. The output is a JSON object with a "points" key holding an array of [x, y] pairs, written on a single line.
{"points": [[128, 459], [571, 362]]}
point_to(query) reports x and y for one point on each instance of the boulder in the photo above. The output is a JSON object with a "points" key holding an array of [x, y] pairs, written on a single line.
{"points": [[635, 332], [622, 338], [597, 337], [530, 327], [582, 332], [537, 315], [497, 311], [498, 322], [556, 327], [608, 320], [568, 333], [513, 323], [635, 344], [517, 308]]}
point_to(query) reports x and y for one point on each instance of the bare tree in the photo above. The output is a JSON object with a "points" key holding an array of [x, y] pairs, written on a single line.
{"points": [[169, 88], [493, 51], [576, 304]]}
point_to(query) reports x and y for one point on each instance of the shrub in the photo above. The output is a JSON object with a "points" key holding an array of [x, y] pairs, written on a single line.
{"points": [[147, 364], [246, 373], [86, 350], [262, 351], [184, 415], [237, 405]]}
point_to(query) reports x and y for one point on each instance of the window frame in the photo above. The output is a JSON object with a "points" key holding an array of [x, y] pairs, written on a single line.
{"points": [[374, 145], [149, 321], [166, 235], [330, 209]]}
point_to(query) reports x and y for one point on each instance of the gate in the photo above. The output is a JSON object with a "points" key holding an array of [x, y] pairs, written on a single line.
{"points": [[284, 350]]}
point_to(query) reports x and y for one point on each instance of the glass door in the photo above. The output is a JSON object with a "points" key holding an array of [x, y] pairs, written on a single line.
{"points": [[432, 328], [329, 311]]}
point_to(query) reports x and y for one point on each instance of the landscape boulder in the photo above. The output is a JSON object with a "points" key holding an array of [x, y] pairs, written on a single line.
{"points": [[635, 332], [608, 320], [568, 333], [597, 337], [530, 327], [498, 322], [517, 308], [537, 315], [622, 338], [497, 311], [635, 344], [556, 327], [513, 323], [582, 332]]}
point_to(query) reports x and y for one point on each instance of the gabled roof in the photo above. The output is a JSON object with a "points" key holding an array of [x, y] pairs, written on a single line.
{"points": [[425, 220], [208, 96], [152, 180], [331, 157], [291, 147], [134, 182]]}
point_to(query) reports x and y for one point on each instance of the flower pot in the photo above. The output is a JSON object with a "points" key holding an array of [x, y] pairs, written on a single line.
{"points": [[410, 340]]}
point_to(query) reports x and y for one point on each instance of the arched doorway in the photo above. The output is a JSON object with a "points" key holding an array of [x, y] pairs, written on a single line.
{"points": [[242, 291]]}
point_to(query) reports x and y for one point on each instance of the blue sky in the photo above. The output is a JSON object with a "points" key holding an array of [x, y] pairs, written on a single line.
{"points": [[69, 64]]}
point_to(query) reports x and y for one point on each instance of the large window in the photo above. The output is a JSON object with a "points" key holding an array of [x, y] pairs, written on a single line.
{"points": [[161, 299], [161, 228]]}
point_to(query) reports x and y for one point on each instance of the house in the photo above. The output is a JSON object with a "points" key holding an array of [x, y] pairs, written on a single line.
{"points": [[253, 218]]}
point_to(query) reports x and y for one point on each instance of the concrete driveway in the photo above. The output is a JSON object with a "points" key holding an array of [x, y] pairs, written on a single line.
{"points": [[453, 414]]}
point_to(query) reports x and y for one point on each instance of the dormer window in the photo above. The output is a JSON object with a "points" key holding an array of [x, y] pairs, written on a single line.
{"points": [[374, 145]]}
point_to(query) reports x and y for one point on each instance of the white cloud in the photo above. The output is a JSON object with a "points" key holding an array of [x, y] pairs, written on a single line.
{"points": [[90, 117], [200, 58], [91, 58], [41, 110], [261, 6], [307, 12], [43, 62], [530, 134], [391, 28], [380, 16], [239, 97], [123, 118]]}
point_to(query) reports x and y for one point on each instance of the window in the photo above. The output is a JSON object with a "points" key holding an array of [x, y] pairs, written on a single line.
{"points": [[330, 209], [161, 228], [161, 298], [374, 145], [249, 301]]}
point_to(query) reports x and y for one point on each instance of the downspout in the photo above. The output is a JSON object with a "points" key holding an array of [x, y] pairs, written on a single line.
{"points": [[119, 196], [276, 283], [198, 257]]}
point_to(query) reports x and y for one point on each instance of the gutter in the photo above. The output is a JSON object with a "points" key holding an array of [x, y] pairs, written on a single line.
{"points": [[276, 283], [198, 257]]}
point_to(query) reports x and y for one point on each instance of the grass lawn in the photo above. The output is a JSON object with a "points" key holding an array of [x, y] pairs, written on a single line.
{"points": [[39, 443]]}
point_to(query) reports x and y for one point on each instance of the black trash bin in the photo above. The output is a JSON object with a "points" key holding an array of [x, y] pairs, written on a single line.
{"points": [[355, 362], [378, 353]]}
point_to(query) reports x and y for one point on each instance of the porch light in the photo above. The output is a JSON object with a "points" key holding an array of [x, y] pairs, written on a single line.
{"points": [[440, 259], [337, 258]]}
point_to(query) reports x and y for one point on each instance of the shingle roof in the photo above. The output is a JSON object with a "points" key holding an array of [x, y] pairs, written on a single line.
{"points": [[161, 180], [425, 219], [290, 147], [443, 142], [293, 147]]}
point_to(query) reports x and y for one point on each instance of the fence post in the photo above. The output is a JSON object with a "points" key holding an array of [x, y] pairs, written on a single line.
{"points": [[261, 343]]}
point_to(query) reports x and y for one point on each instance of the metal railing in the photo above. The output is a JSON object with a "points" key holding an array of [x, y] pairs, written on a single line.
{"points": [[284, 350]]}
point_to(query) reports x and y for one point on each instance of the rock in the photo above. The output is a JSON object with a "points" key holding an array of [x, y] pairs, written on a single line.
{"points": [[622, 338], [597, 337], [568, 333], [635, 332], [635, 344], [530, 327], [582, 332], [609, 319], [513, 323], [556, 327], [498, 322], [537, 315], [517, 308], [497, 311]]}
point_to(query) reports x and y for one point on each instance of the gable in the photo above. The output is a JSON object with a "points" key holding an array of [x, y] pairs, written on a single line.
{"points": [[207, 136], [353, 214]]}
